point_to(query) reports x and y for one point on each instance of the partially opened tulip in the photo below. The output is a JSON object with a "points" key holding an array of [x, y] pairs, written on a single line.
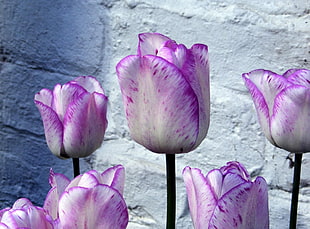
{"points": [[283, 106], [74, 117], [24, 214], [166, 94], [91, 200], [226, 198]]}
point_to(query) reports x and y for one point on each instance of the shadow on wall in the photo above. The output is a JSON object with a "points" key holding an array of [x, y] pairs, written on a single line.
{"points": [[41, 43]]}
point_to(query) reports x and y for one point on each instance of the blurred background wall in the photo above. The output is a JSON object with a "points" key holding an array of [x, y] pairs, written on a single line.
{"points": [[46, 42]]}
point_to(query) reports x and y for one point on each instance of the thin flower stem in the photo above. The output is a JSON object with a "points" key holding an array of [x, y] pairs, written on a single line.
{"points": [[76, 166], [295, 192], [171, 191]]}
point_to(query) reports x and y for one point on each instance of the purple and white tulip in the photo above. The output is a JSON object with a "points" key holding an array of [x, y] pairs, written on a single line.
{"points": [[74, 117], [226, 198], [166, 95], [24, 214], [282, 103], [91, 200]]}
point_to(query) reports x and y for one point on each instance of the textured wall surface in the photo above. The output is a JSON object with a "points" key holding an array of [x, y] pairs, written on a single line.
{"points": [[47, 42]]}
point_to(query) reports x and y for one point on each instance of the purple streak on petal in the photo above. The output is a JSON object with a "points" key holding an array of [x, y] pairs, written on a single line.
{"points": [[290, 125], [84, 127], [53, 128], [114, 177], [201, 198], [3, 226], [169, 121], [245, 206], [150, 43], [300, 77], [99, 207], [201, 86], [90, 83]]}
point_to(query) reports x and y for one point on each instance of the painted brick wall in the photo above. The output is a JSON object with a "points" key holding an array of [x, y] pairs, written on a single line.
{"points": [[47, 42]]}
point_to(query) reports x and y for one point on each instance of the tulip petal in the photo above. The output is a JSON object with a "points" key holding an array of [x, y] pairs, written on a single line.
{"points": [[230, 181], [90, 83], [168, 54], [201, 86], [89, 179], [83, 128], [8, 219], [114, 177], [290, 124], [150, 43], [22, 203], [236, 168], [299, 77], [58, 182], [264, 86], [45, 96], [215, 181], [53, 129], [25, 215], [63, 95], [200, 197], [245, 206], [101, 102], [51, 203], [169, 121], [98, 208]]}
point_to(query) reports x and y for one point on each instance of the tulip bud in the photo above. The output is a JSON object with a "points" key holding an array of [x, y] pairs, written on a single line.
{"points": [[90, 200], [74, 117], [282, 103]]}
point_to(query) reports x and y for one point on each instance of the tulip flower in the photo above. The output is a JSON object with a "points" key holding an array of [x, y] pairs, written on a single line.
{"points": [[24, 214], [91, 200], [226, 198], [283, 106], [165, 89], [74, 117]]}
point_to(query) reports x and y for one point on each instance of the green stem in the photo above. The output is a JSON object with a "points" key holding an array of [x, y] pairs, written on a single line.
{"points": [[295, 192], [171, 191], [76, 166]]}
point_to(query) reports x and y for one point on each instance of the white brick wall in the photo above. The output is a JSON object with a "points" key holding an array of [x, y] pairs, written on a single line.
{"points": [[46, 42]]}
